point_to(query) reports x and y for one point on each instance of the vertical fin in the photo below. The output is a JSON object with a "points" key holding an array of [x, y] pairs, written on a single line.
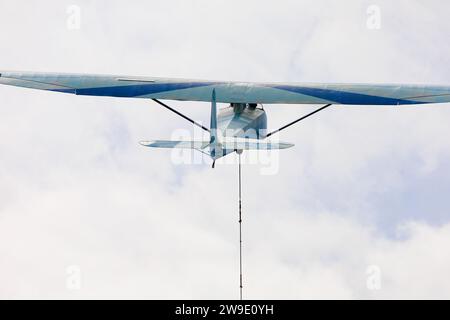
{"points": [[213, 124], [215, 145]]}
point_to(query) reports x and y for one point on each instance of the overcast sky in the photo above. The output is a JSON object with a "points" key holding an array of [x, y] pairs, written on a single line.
{"points": [[358, 209]]}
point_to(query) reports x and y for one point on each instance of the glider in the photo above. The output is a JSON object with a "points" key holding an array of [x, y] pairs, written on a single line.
{"points": [[242, 125]]}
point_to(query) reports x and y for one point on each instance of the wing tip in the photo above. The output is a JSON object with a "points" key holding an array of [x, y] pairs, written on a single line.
{"points": [[147, 143], [287, 145]]}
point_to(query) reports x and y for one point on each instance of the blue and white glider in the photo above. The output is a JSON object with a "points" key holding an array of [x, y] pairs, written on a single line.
{"points": [[243, 119]]}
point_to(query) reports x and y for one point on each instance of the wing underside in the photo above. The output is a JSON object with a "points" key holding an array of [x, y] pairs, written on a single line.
{"points": [[228, 92]]}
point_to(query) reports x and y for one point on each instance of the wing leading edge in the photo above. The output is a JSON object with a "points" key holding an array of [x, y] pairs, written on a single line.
{"points": [[228, 92]]}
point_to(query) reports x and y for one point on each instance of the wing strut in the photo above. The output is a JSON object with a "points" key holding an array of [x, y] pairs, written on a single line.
{"points": [[181, 115], [298, 120]]}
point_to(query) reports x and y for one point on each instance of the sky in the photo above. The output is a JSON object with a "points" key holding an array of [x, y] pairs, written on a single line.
{"points": [[358, 209]]}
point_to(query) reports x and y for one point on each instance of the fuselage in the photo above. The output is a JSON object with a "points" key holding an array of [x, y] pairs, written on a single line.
{"points": [[243, 120]]}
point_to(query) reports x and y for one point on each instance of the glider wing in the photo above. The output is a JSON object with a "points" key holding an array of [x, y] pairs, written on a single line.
{"points": [[228, 92]]}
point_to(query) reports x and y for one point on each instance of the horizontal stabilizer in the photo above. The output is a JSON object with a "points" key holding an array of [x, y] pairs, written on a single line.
{"points": [[176, 144], [254, 145], [226, 145]]}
